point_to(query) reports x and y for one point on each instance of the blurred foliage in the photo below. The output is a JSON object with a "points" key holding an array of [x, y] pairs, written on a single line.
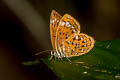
{"points": [[101, 63]]}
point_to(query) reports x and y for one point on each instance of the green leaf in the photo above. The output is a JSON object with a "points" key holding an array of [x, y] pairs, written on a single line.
{"points": [[101, 63]]}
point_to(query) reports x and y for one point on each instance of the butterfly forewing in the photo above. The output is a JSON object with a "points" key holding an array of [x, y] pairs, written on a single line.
{"points": [[78, 44], [54, 21], [67, 27]]}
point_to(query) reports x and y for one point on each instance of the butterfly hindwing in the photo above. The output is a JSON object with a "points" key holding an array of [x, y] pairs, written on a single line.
{"points": [[67, 27], [78, 44], [54, 21]]}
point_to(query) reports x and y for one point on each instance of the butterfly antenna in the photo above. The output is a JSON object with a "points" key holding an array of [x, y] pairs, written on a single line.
{"points": [[43, 52]]}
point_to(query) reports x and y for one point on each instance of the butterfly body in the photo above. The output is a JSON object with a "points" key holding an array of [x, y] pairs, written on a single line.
{"points": [[66, 39]]}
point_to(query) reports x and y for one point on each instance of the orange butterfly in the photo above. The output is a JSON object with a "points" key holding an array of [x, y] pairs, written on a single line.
{"points": [[67, 41]]}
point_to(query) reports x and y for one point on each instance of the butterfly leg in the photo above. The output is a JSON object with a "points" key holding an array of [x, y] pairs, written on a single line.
{"points": [[61, 59], [67, 57], [59, 56]]}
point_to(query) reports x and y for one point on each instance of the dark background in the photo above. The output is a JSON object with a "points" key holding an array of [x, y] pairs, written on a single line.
{"points": [[24, 30]]}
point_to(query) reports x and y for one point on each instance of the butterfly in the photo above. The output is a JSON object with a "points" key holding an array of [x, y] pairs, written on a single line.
{"points": [[66, 39]]}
